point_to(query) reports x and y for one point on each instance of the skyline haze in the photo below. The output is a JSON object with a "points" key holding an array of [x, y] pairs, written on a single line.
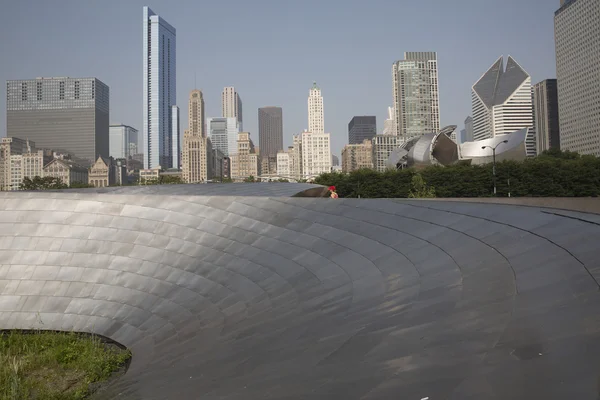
{"points": [[277, 36]]}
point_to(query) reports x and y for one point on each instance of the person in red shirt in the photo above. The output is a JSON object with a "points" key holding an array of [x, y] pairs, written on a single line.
{"points": [[333, 194]]}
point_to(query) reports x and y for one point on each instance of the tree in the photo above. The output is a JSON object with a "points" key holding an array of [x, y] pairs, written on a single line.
{"points": [[45, 183], [419, 188], [250, 179]]}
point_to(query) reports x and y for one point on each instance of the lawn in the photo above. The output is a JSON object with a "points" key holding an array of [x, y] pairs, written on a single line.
{"points": [[56, 365]]}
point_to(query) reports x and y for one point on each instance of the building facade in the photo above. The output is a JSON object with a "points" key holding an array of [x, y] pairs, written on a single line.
{"points": [[66, 114], [576, 36], [223, 133], [501, 100], [270, 131], [357, 156], [231, 105], [102, 173], [197, 149], [67, 171], [315, 153], [383, 145], [175, 138], [196, 113], [123, 141], [361, 128], [316, 116], [416, 103], [159, 89], [245, 162], [469, 136]]}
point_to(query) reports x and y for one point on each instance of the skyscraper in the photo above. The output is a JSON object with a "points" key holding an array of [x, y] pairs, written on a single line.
{"points": [[388, 124], [270, 131], [196, 157], [316, 119], [175, 138], [577, 34], [361, 128], [123, 141], [546, 121], [469, 135], [223, 133], [159, 91], [67, 114], [416, 95], [231, 105], [196, 113], [501, 100]]}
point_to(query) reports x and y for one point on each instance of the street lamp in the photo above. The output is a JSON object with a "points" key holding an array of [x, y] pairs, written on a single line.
{"points": [[494, 161]]}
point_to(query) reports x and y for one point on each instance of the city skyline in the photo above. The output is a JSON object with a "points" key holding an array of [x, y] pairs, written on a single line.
{"points": [[367, 82]]}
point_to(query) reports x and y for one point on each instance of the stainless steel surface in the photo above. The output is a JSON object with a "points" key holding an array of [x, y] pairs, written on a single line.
{"points": [[513, 150], [255, 297]]}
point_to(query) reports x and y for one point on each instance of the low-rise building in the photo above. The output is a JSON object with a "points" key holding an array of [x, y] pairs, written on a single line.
{"points": [[149, 175], [67, 171], [102, 173], [357, 156]]}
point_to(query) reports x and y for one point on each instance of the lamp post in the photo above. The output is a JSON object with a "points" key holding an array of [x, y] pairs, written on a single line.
{"points": [[494, 161]]}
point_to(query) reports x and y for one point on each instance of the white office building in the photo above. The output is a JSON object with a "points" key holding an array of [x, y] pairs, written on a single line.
{"points": [[231, 105], [316, 154], [159, 91], [316, 118], [501, 101]]}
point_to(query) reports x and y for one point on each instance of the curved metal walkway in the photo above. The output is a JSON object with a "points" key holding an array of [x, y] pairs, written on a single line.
{"points": [[252, 297]]}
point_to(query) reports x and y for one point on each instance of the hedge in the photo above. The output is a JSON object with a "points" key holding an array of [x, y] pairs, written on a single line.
{"points": [[552, 174]]}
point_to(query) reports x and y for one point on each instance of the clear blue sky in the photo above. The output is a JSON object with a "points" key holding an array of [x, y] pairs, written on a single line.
{"points": [[272, 50]]}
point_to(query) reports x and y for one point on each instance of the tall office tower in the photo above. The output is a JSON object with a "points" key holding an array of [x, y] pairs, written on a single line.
{"points": [[315, 154], [469, 130], [416, 95], [501, 100], [175, 138], [361, 129], [196, 156], [66, 114], [388, 124], [159, 92], [223, 133], [196, 113], [270, 131], [316, 118], [546, 119], [123, 141], [576, 35], [231, 105]]}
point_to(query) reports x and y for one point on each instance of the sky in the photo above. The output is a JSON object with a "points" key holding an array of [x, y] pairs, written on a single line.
{"points": [[272, 51]]}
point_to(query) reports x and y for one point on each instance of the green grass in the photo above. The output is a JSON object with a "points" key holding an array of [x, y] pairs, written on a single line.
{"points": [[55, 365]]}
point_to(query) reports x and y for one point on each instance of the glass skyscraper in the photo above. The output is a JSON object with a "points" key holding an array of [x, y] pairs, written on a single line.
{"points": [[361, 128], [159, 90], [416, 95], [223, 133]]}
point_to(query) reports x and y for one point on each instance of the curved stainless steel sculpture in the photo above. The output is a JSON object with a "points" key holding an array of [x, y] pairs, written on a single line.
{"points": [[251, 297], [438, 149], [426, 150], [513, 150]]}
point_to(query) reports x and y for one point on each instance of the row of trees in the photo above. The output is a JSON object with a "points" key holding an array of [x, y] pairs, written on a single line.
{"points": [[48, 183], [552, 174]]}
